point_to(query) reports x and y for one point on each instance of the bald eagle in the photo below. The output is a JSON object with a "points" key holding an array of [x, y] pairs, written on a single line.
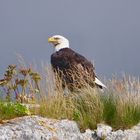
{"points": [[74, 69]]}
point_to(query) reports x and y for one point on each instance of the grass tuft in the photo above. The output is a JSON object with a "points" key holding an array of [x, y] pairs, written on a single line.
{"points": [[10, 110], [110, 110]]}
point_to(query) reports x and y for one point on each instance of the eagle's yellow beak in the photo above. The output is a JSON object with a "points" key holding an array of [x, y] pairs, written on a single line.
{"points": [[52, 40]]}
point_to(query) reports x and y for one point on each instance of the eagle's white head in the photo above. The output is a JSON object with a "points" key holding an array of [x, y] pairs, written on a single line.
{"points": [[59, 42]]}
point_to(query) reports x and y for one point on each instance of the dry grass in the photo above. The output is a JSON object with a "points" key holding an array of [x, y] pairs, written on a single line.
{"points": [[118, 106], [83, 107]]}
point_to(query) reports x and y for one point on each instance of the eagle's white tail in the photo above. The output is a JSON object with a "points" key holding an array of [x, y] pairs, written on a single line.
{"points": [[99, 83]]}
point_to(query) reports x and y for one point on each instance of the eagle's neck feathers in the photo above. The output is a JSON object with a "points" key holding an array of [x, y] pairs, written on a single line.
{"points": [[61, 46]]}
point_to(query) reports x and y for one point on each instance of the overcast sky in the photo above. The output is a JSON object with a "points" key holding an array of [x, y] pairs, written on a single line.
{"points": [[105, 31]]}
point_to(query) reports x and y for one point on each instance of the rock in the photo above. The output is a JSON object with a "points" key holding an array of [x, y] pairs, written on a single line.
{"points": [[89, 135], [130, 134], [39, 128], [103, 130], [118, 135]]}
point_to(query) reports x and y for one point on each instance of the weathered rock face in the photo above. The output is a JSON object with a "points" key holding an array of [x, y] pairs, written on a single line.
{"points": [[105, 132], [39, 128], [131, 134]]}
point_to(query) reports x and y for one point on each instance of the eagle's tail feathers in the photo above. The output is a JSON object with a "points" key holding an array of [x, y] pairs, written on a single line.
{"points": [[99, 83]]}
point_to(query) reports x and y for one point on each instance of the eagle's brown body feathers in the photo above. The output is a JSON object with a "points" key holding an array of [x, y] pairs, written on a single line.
{"points": [[74, 69]]}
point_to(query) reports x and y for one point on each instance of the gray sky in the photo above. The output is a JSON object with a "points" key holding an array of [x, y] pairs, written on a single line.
{"points": [[106, 31]]}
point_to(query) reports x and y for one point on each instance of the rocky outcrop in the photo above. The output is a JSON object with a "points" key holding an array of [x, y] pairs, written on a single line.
{"points": [[105, 132], [39, 128], [130, 134]]}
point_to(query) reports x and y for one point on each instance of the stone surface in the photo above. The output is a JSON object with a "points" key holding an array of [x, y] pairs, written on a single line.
{"points": [[103, 130], [130, 134], [39, 128]]}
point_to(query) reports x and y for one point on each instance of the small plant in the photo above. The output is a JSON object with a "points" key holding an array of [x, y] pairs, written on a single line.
{"points": [[10, 110], [22, 83]]}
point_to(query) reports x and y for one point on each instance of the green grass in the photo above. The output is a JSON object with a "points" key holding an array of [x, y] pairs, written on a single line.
{"points": [[10, 110], [109, 110]]}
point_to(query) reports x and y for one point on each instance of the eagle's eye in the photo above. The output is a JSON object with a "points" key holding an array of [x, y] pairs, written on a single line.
{"points": [[56, 38]]}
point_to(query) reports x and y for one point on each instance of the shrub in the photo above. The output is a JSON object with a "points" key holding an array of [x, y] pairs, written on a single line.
{"points": [[21, 83]]}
